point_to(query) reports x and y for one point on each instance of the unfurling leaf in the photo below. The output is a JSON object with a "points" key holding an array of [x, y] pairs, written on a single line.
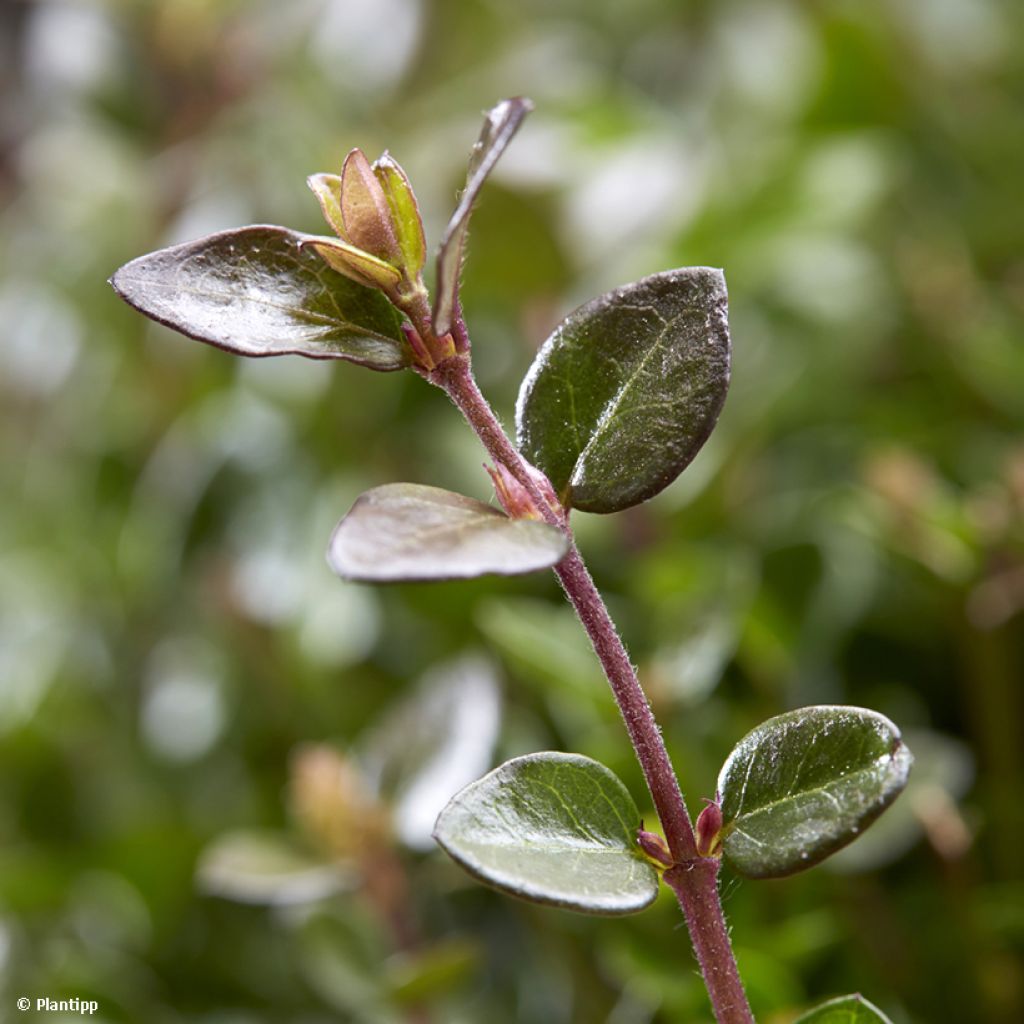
{"points": [[365, 210], [501, 124], [624, 393], [552, 828], [414, 532], [258, 291], [405, 214], [374, 213], [853, 1009], [804, 784]]}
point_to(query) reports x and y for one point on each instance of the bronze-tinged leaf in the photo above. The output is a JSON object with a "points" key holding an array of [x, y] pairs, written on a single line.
{"points": [[261, 291]]}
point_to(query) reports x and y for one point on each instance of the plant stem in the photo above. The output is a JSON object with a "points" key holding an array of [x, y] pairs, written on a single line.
{"points": [[693, 879], [696, 887]]}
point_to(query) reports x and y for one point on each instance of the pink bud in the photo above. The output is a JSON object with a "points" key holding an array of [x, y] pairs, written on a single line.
{"points": [[708, 827], [654, 846]]}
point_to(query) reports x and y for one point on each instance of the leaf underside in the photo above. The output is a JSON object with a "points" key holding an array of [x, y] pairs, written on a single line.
{"points": [[853, 1009], [257, 291], [414, 532], [500, 125], [626, 391], [551, 828], [804, 784]]}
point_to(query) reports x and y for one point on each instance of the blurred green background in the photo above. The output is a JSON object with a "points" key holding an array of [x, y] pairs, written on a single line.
{"points": [[219, 764]]}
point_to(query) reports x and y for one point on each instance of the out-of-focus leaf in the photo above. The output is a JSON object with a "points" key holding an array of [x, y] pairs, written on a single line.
{"points": [[804, 784], [545, 641], [343, 957], [263, 867], [853, 1009], [424, 975], [500, 125], [433, 743], [552, 828], [259, 291], [414, 532], [624, 393]]}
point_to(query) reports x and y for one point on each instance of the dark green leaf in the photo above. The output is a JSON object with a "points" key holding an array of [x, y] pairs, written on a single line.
{"points": [[552, 828], [414, 532], [624, 393], [845, 1010], [257, 291], [500, 125], [804, 784]]}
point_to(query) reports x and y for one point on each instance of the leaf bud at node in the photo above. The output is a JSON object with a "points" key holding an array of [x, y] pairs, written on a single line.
{"points": [[708, 829]]}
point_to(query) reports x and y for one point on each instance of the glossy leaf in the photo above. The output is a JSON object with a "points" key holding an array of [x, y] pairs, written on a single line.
{"points": [[414, 532], [804, 784], [500, 125], [853, 1009], [552, 828], [624, 393], [260, 291]]}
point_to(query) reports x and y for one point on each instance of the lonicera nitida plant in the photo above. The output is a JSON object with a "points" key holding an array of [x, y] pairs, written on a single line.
{"points": [[617, 403]]}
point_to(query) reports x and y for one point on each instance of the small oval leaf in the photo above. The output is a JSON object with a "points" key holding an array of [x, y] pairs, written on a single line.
{"points": [[413, 532], [500, 125], [624, 393], [853, 1009], [552, 828], [804, 784], [258, 291]]}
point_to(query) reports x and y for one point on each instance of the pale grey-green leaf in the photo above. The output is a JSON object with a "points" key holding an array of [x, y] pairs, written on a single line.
{"points": [[552, 828], [414, 532], [265, 868], [435, 741], [624, 393]]}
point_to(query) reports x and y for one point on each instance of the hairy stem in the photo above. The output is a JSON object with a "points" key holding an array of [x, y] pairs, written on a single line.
{"points": [[692, 878]]}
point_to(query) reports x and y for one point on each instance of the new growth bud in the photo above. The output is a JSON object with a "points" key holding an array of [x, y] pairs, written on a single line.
{"points": [[708, 829], [515, 499], [374, 213], [654, 846]]}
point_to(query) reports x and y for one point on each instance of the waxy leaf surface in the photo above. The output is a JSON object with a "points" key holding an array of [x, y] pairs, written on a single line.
{"points": [[414, 532], [845, 1010], [622, 396], [500, 125], [804, 784], [257, 291], [552, 828]]}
